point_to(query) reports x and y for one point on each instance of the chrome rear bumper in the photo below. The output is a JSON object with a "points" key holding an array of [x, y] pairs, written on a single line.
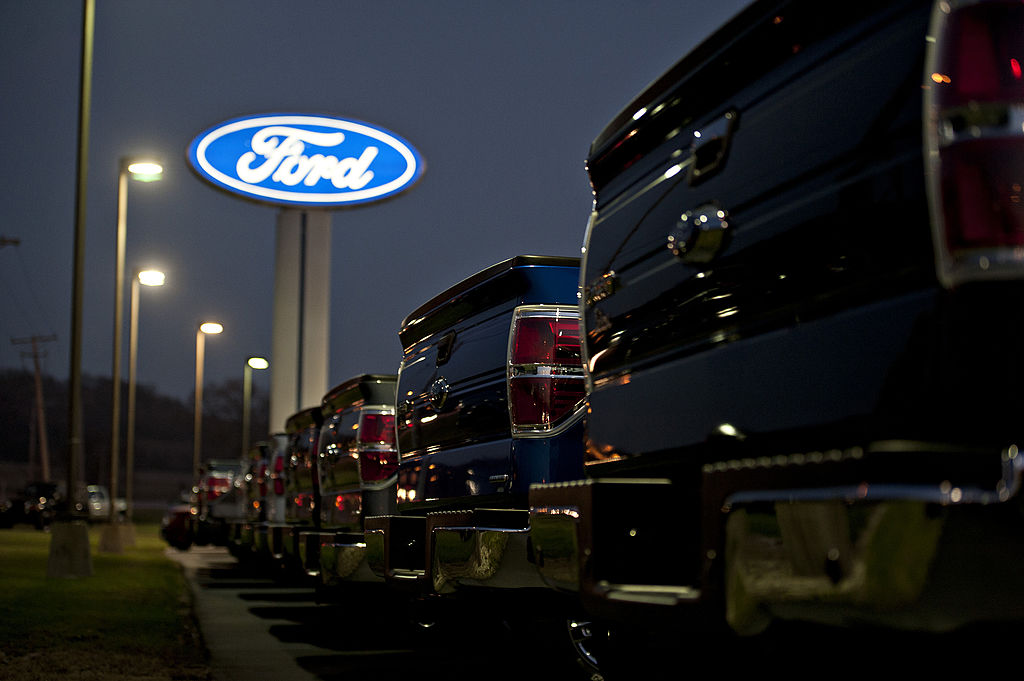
{"points": [[342, 558], [800, 537], [483, 548]]}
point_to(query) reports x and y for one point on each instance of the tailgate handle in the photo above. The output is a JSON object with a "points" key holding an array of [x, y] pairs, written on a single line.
{"points": [[444, 348], [711, 147]]}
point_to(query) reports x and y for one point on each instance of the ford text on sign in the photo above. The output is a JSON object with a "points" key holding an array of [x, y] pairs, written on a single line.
{"points": [[305, 160]]}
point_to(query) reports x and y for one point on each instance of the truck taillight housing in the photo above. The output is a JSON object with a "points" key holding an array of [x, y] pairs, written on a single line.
{"points": [[974, 116], [378, 455], [545, 372]]}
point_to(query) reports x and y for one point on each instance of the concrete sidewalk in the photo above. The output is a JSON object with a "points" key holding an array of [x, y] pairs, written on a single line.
{"points": [[256, 628], [236, 617]]}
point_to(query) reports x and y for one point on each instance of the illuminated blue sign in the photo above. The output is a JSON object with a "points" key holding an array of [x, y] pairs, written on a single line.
{"points": [[305, 160]]}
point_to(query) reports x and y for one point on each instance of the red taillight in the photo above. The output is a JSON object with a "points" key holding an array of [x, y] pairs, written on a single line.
{"points": [[376, 466], [545, 373], [983, 196], [539, 401], [378, 457], [377, 429], [279, 475], [546, 340], [975, 118], [216, 487], [980, 50]]}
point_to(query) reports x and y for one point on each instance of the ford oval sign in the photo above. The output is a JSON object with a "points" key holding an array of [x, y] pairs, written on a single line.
{"points": [[305, 160]]}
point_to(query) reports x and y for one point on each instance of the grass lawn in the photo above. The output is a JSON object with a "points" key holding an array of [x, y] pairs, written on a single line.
{"points": [[131, 620]]}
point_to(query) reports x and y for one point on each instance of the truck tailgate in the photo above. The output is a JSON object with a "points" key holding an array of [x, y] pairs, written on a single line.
{"points": [[750, 192], [454, 433]]}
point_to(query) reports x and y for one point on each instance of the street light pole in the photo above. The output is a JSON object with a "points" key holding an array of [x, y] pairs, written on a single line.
{"points": [[115, 429], [111, 540], [146, 278], [250, 364], [197, 429], [69, 540]]}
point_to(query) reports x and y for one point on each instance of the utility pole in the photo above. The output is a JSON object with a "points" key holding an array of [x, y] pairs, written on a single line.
{"points": [[44, 446]]}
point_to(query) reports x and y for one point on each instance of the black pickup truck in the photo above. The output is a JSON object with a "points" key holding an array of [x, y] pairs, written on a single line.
{"points": [[802, 310], [252, 490], [356, 473], [490, 399], [298, 486], [219, 501]]}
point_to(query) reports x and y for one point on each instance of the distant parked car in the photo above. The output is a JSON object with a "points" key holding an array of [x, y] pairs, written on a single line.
{"points": [[98, 503], [37, 504], [7, 516], [219, 500], [176, 525]]}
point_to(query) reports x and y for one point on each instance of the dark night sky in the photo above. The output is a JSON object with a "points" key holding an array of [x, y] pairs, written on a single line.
{"points": [[502, 100]]}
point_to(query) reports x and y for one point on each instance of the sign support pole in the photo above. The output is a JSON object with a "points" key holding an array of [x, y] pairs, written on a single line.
{"points": [[299, 349]]}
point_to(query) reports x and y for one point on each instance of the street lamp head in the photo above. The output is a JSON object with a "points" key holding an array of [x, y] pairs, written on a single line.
{"points": [[151, 278], [145, 171], [258, 363], [210, 327]]}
